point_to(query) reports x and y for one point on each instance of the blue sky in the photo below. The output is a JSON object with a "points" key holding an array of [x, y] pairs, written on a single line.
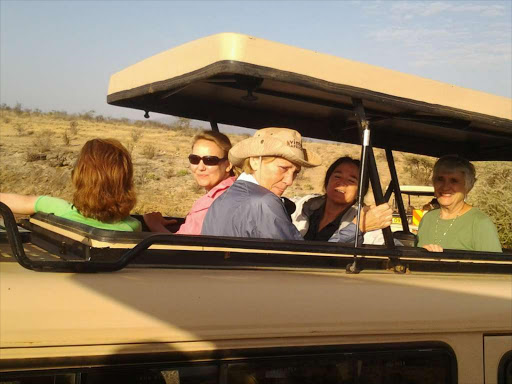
{"points": [[59, 55]]}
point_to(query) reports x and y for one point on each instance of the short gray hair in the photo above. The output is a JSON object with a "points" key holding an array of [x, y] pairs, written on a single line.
{"points": [[453, 163]]}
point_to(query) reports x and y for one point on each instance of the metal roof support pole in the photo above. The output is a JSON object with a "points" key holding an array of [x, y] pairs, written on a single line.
{"points": [[377, 193], [369, 165], [389, 191], [396, 188], [214, 126], [364, 128]]}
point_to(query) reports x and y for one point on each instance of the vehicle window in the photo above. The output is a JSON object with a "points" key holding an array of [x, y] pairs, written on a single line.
{"points": [[505, 369], [43, 378], [129, 375], [381, 368], [183, 375], [418, 365]]}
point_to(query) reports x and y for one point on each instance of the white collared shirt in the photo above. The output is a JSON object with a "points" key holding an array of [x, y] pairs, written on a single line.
{"points": [[248, 177]]}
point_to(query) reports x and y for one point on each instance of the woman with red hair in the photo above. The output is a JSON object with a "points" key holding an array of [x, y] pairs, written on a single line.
{"points": [[104, 191]]}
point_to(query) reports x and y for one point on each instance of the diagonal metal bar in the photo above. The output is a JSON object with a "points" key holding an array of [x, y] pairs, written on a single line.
{"points": [[367, 156], [396, 189]]}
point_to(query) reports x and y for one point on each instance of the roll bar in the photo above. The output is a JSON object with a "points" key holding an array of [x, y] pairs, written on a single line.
{"points": [[220, 252]]}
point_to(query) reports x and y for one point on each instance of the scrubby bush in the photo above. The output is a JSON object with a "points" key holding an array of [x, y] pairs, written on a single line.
{"points": [[152, 176], [63, 115], [58, 159], [88, 116], [65, 137], [130, 146], [73, 127], [419, 169], [20, 129], [136, 134], [42, 142], [493, 195], [144, 174], [18, 109], [184, 126], [149, 151], [169, 173]]}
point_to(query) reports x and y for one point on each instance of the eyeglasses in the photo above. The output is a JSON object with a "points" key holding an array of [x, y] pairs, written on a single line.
{"points": [[207, 160]]}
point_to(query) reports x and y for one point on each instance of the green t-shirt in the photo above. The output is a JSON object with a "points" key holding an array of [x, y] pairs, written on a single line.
{"points": [[62, 208], [473, 231]]}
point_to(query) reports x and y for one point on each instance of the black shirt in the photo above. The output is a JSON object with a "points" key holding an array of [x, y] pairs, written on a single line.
{"points": [[326, 233]]}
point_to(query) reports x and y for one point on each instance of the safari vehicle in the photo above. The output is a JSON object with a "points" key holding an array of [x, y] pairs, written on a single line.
{"points": [[413, 213], [83, 305]]}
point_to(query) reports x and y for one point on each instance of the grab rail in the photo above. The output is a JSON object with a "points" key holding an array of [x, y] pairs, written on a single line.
{"points": [[291, 254]]}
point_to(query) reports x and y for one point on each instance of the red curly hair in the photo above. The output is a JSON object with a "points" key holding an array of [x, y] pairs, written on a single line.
{"points": [[103, 181]]}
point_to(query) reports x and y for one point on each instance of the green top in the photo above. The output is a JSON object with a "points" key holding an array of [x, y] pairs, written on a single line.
{"points": [[62, 208], [473, 231]]}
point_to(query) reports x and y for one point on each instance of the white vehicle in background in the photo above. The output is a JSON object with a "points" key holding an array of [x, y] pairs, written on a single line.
{"points": [[414, 208], [84, 305]]}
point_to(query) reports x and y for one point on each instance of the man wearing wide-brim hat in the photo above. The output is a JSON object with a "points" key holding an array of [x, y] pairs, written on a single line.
{"points": [[252, 207]]}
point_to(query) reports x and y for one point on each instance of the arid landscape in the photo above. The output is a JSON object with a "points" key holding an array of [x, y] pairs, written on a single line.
{"points": [[38, 150]]}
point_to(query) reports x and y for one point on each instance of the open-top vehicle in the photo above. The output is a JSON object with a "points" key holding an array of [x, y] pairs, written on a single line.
{"points": [[414, 213], [198, 309]]}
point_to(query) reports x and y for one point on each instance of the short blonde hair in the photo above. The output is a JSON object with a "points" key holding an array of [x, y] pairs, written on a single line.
{"points": [[247, 168], [218, 138]]}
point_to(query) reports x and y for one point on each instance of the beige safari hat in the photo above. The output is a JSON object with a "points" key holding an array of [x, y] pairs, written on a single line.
{"points": [[279, 142]]}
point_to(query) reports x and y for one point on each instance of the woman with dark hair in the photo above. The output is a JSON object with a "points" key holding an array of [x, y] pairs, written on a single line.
{"points": [[332, 217], [456, 224], [104, 191]]}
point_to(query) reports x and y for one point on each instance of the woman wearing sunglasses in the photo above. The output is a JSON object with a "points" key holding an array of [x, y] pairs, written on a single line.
{"points": [[212, 170]]}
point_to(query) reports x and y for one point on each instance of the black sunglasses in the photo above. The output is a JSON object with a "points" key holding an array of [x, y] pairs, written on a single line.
{"points": [[207, 160]]}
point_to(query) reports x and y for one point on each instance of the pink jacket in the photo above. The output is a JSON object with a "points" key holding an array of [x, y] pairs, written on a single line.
{"points": [[194, 220]]}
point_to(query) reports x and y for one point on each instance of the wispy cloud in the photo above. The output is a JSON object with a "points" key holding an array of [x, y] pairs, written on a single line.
{"points": [[476, 54], [432, 8], [444, 33]]}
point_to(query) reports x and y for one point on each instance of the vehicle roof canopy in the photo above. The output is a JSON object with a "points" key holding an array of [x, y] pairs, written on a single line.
{"points": [[418, 190], [249, 82]]}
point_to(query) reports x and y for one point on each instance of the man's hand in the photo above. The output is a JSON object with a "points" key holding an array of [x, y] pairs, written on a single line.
{"points": [[156, 222], [433, 248], [375, 217]]}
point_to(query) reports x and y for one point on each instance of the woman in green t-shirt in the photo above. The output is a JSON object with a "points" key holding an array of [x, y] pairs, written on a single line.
{"points": [[104, 191], [456, 224]]}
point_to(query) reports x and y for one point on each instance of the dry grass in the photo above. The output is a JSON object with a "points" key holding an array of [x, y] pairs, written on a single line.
{"points": [[136, 134], [73, 127], [149, 151], [40, 159]]}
